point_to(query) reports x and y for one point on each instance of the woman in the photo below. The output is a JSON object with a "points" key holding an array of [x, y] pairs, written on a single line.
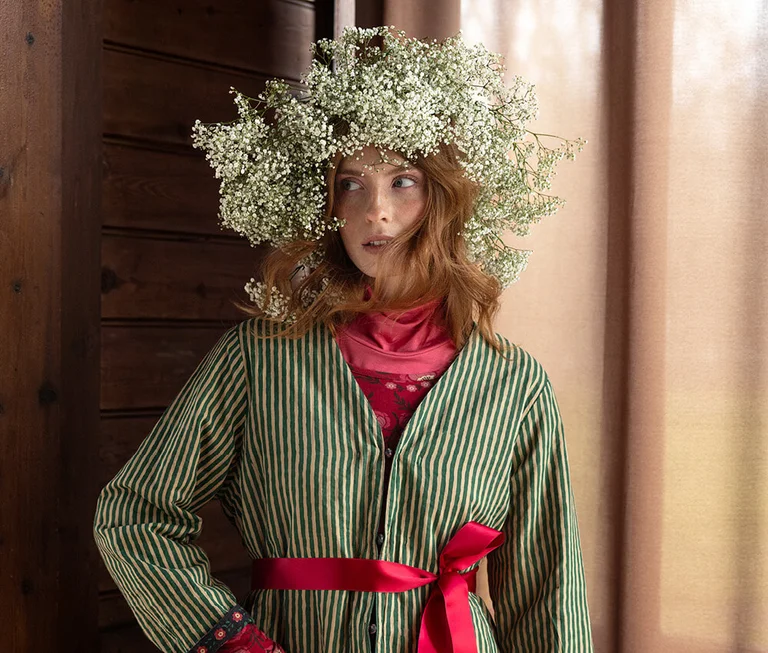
{"points": [[369, 439]]}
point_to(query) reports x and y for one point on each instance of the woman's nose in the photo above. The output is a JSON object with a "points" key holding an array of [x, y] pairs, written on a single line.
{"points": [[378, 206]]}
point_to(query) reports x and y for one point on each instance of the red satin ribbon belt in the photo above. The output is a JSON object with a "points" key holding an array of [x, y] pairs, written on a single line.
{"points": [[446, 623]]}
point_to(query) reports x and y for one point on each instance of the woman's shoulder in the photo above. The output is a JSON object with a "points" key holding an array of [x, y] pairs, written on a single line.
{"points": [[523, 365], [233, 335], [253, 326], [257, 324]]}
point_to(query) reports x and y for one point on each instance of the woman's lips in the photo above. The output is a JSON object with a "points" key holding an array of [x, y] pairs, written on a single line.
{"points": [[379, 238], [374, 249]]}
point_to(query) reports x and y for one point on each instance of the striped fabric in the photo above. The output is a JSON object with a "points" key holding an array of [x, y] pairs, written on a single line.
{"points": [[281, 433]]}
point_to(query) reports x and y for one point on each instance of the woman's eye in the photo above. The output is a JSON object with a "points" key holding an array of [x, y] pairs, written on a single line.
{"points": [[347, 181], [411, 182]]}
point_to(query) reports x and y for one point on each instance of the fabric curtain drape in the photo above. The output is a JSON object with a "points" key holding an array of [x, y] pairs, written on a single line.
{"points": [[646, 298]]}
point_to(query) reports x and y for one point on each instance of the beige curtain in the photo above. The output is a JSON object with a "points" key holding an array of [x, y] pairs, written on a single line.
{"points": [[646, 298]]}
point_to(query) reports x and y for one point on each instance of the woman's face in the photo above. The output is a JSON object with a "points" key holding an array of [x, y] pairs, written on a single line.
{"points": [[378, 205]]}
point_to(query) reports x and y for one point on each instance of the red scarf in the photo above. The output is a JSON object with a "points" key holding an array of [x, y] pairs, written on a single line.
{"points": [[412, 342]]}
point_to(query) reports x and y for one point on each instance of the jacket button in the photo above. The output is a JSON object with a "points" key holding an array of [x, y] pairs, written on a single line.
{"points": [[380, 539], [372, 629], [388, 452]]}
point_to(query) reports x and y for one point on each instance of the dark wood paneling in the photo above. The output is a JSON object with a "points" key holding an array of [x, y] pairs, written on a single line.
{"points": [[146, 366], [50, 195], [155, 99], [151, 278], [125, 639], [119, 439], [149, 189], [268, 36]]}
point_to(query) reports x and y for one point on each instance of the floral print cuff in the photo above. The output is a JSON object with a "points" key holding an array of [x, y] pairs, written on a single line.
{"points": [[226, 628]]}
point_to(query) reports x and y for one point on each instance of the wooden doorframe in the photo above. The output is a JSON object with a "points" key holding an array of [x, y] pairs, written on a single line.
{"points": [[50, 223]]}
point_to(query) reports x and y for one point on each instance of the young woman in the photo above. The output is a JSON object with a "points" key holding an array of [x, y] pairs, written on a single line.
{"points": [[369, 438]]}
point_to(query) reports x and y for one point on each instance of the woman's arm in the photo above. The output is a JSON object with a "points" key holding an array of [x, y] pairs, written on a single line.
{"points": [[536, 578], [145, 523]]}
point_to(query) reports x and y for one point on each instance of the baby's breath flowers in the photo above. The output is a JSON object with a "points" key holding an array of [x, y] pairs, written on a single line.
{"points": [[406, 95], [273, 303]]}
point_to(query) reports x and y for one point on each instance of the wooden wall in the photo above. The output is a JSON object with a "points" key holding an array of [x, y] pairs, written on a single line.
{"points": [[50, 196], [169, 272]]}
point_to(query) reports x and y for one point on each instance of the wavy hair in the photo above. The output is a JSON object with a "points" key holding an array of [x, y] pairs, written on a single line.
{"points": [[432, 251]]}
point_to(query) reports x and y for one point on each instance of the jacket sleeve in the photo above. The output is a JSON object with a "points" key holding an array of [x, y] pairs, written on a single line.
{"points": [[536, 577], [145, 522]]}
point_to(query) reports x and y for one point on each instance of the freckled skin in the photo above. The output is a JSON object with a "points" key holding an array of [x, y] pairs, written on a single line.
{"points": [[387, 200]]}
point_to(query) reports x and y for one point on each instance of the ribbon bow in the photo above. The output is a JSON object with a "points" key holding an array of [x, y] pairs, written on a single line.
{"points": [[446, 623]]}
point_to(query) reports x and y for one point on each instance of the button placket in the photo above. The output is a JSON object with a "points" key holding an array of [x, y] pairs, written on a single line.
{"points": [[380, 537], [388, 456], [389, 453]]}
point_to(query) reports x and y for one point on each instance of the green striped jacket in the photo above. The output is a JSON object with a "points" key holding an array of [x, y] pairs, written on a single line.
{"points": [[280, 432]]}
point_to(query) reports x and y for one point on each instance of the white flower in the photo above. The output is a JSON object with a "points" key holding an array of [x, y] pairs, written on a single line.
{"points": [[274, 304], [408, 96]]}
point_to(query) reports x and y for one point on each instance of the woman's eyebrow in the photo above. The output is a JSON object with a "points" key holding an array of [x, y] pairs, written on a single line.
{"points": [[359, 173]]}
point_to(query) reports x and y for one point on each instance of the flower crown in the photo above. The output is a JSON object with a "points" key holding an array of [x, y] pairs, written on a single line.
{"points": [[406, 95]]}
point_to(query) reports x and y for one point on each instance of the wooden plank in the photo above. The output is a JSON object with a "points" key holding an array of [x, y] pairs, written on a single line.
{"points": [[270, 36], [50, 189], [146, 366], [125, 639], [166, 191], [185, 280], [155, 99], [119, 439]]}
